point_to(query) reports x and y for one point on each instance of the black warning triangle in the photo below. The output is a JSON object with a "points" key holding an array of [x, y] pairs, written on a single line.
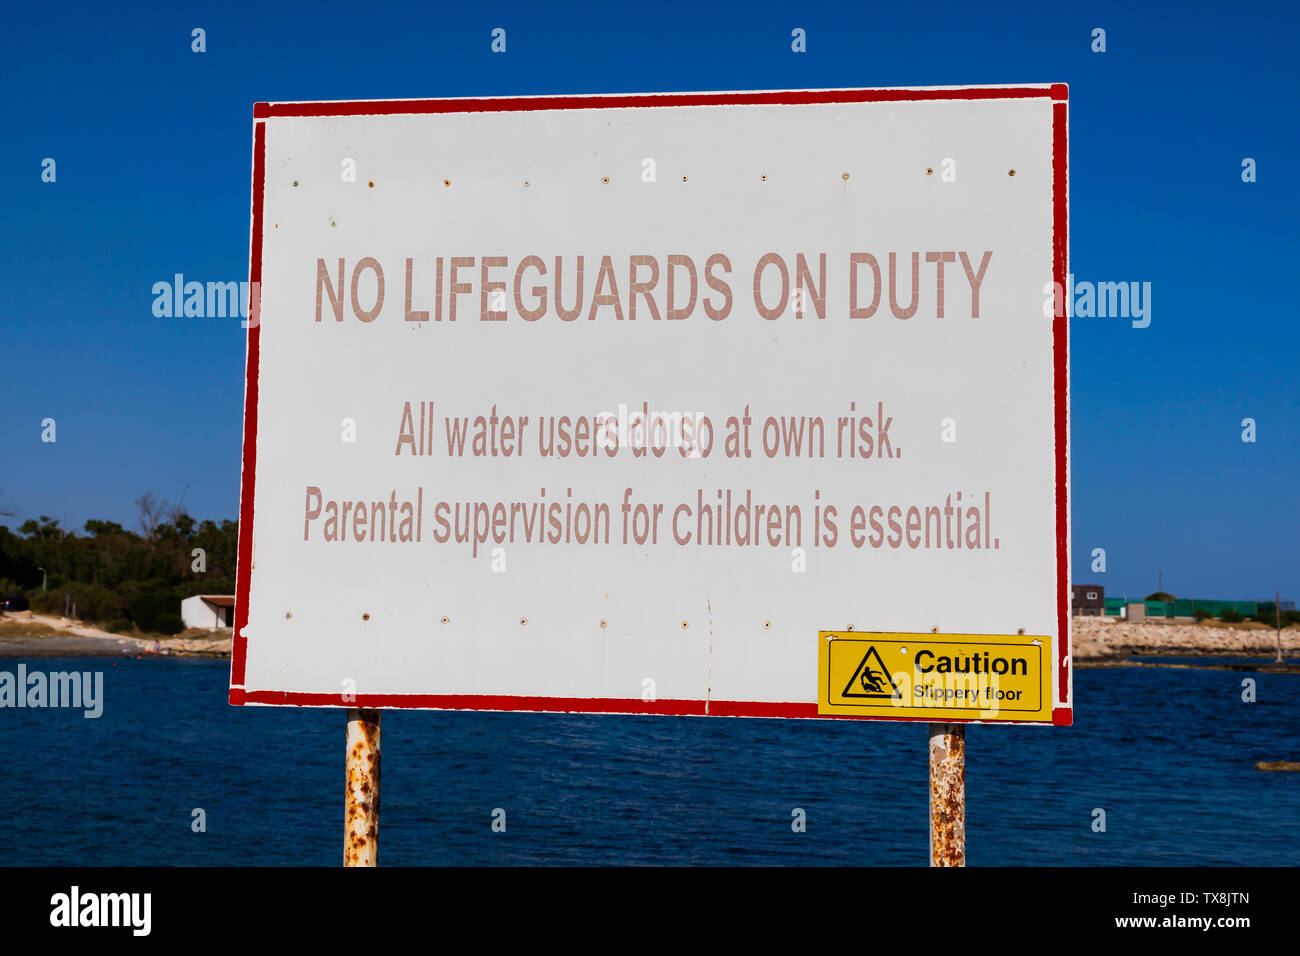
{"points": [[871, 679]]}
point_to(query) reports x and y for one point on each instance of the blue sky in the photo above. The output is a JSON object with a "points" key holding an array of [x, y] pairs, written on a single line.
{"points": [[153, 148]]}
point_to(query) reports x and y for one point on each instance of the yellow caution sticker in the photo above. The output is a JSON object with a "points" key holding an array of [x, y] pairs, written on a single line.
{"points": [[934, 676]]}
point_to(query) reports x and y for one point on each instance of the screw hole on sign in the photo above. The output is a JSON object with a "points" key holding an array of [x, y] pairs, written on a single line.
{"points": [[604, 624], [683, 179], [845, 176], [445, 619], [365, 616], [295, 182], [767, 624], [371, 184], [1020, 630], [523, 620], [849, 628], [446, 182], [935, 629], [288, 615], [527, 183], [604, 179], [764, 177], [1011, 172], [929, 171], [685, 624]]}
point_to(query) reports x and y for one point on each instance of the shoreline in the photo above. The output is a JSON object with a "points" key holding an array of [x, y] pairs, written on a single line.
{"points": [[14, 648], [1193, 661], [29, 635], [1106, 642], [1097, 643]]}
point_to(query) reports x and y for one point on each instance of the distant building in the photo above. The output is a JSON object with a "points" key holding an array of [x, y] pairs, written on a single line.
{"points": [[212, 611], [1089, 600]]}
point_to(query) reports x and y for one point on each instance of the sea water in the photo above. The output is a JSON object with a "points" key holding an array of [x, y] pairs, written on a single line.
{"points": [[170, 774]]}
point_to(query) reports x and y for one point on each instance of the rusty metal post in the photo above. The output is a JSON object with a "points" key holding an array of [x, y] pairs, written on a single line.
{"points": [[361, 817], [947, 795]]}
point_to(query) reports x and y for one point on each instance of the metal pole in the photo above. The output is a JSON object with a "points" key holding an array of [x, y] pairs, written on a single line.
{"points": [[947, 795], [361, 817], [1277, 622]]}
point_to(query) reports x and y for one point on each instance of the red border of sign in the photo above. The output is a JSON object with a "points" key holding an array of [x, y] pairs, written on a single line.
{"points": [[1058, 93]]}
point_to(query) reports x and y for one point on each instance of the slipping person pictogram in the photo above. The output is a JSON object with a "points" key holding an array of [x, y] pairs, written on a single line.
{"points": [[871, 678]]}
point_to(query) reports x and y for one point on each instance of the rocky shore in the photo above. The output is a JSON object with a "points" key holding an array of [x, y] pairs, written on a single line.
{"points": [[1098, 640]]}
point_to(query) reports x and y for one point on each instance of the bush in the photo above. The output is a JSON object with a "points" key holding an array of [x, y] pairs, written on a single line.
{"points": [[1285, 619], [1231, 616], [1202, 615], [94, 602], [170, 624], [158, 612], [119, 625], [46, 602]]}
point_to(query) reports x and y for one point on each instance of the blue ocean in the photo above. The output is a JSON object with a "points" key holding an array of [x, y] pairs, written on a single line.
{"points": [[1168, 755]]}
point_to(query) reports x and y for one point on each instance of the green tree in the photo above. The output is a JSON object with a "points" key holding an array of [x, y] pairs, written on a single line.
{"points": [[116, 574]]}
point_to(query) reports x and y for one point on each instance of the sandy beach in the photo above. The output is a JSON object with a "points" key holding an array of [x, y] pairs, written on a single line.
{"points": [[26, 634]]}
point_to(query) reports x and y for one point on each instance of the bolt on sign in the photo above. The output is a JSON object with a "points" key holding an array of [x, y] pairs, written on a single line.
{"points": [[748, 404]]}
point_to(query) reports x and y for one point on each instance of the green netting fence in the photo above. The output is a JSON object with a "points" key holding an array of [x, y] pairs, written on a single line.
{"points": [[1187, 607]]}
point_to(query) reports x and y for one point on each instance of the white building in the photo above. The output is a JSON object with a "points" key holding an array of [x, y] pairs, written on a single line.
{"points": [[212, 611]]}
